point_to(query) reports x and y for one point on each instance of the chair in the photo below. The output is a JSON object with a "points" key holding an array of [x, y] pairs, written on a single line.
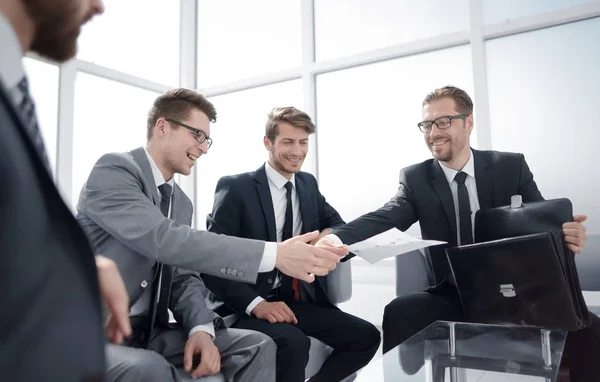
{"points": [[339, 289], [412, 273]]}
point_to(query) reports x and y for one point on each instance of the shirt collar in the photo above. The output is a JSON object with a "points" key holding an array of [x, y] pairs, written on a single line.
{"points": [[159, 179], [468, 168], [276, 178], [11, 64]]}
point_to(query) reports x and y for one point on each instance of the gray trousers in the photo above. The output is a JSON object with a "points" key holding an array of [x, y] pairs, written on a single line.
{"points": [[245, 356]]}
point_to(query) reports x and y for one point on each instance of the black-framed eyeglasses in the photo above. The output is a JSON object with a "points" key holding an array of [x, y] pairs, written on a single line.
{"points": [[200, 135], [441, 122]]}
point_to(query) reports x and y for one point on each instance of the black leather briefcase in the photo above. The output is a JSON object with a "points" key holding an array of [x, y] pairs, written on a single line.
{"points": [[525, 241]]}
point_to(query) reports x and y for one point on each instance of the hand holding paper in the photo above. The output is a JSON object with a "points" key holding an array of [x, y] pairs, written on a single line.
{"points": [[388, 244]]}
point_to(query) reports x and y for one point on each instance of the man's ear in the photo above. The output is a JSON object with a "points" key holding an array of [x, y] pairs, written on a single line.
{"points": [[267, 143], [469, 121]]}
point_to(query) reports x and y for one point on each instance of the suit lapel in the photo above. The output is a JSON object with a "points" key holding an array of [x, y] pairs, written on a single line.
{"points": [[304, 196], [483, 179], [139, 156], [266, 202], [442, 188]]}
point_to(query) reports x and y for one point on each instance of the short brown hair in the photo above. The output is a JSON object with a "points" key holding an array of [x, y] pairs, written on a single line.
{"points": [[291, 115], [177, 104], [463, 102]]}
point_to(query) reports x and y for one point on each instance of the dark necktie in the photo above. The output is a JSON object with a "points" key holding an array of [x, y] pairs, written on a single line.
{"points": [[464, 210], [289, 285], [27, 109], [162, 284]]}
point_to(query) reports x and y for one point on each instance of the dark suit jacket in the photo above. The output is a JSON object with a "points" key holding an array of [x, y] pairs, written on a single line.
{"points": [[51, 322], [243, 207], [424, 195]]}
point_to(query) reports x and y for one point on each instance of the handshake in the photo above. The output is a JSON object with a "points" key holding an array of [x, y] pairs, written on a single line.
{"points": [[309, 255]]}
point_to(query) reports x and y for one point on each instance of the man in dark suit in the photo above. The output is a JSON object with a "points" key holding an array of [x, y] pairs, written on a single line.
{"points": [[276, 202], [443, 195], [49, 279]]}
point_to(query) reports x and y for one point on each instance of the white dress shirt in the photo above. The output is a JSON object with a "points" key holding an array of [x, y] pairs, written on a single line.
{"points": [[11, 60], [470, 184], [277, 184], [143, 304]]}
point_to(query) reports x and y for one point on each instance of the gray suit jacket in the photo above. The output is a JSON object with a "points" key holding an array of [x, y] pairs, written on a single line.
{"points": [[118, 209]]}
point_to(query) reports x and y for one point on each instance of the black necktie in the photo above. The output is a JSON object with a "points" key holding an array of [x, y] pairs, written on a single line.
{"points": [[289, 285], [288, 225], [27, 109], [464, 210], [162, 283]]}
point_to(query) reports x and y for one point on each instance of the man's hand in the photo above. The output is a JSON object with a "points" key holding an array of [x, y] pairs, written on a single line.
{"points": [[575, 233], [274, 312], [115, 295], [210, 360], [297, 259]]}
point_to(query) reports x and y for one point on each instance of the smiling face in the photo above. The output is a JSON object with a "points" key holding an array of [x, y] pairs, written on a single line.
{"points": [[450, 144], [288, 150], [175, 149]]}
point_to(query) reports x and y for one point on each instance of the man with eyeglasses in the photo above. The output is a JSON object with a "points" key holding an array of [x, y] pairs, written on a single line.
{"points": [[133, 212], [464, 180]]}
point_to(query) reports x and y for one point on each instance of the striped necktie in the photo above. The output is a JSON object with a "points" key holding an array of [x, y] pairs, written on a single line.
{"points": [[27, 109]]}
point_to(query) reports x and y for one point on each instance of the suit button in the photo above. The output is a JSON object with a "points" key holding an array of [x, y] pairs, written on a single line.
{"points": [[144, 284], [270, 281], [233, 272], [223, 270], [240, 274], [228, 271]]}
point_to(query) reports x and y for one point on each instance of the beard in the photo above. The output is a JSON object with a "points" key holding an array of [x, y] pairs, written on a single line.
{"points": [[57, 28], [444, 156]]}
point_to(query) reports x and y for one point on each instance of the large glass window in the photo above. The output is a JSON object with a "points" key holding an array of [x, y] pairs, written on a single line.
{"points": [[109, 117], [543, 89], [354, 26], [238, 137], [43, 80], [368, 125], [496, 11], [241, 39], [138, 37]]}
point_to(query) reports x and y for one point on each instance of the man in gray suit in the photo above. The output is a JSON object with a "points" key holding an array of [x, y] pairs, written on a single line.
{"points": [[134, 213]]}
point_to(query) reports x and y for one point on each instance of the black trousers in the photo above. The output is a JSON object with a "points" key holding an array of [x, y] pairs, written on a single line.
{"points": [[407, 315], [354, 341]]}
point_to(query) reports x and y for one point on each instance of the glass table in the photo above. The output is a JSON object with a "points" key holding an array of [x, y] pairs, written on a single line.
{"points": [[458, 352]]}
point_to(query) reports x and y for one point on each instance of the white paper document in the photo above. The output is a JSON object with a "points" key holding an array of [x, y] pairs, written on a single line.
{"points": [[388, 244]]}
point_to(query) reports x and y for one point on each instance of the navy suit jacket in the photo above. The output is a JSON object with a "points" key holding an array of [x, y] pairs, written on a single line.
{"points": [[51, 321], [243, 207], [424, 195]]}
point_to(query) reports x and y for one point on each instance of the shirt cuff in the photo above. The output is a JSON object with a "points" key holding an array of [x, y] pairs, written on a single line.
{"points": [[334, 238], [267, 263], [207, 328], [253, 304]]}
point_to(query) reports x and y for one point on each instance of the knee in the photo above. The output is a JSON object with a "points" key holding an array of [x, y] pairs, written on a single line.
{"points": [[393, 310], [370, 335], [293, 339], [147, 366], [264, 345]]}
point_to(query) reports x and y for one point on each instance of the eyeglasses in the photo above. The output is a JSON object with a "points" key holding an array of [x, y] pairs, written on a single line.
{"points": [[200, 135], [441, 122]]}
